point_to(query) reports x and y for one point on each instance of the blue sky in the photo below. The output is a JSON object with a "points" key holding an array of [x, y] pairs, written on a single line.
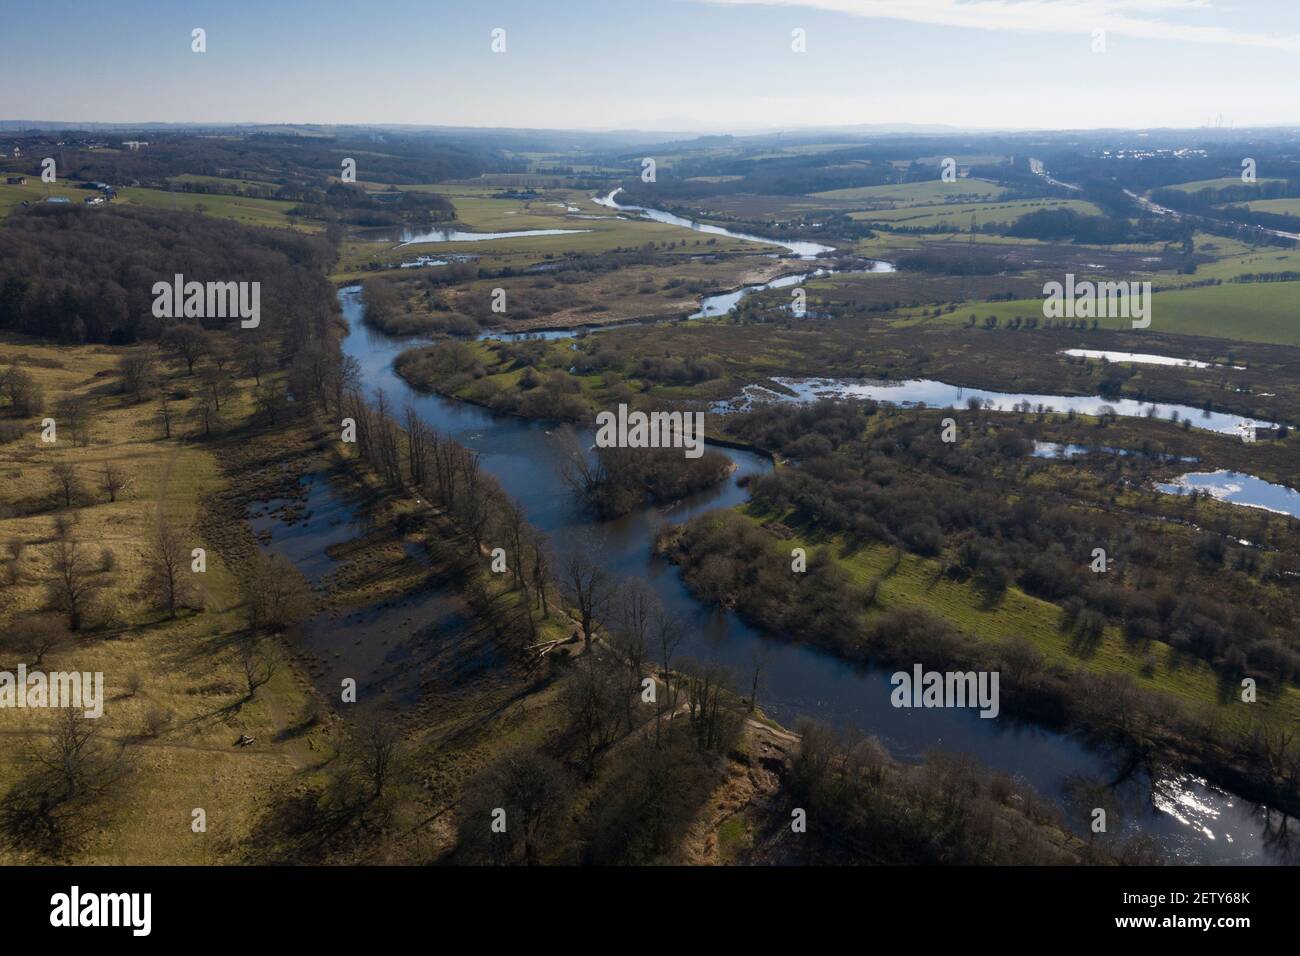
{"points": [[657, 64]]}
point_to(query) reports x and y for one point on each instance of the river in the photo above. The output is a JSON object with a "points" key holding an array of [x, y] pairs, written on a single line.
{"points": [[1198, 823]]}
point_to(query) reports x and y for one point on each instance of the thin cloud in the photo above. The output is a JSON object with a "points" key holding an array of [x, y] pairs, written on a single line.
{"points": [[1131, 18]]}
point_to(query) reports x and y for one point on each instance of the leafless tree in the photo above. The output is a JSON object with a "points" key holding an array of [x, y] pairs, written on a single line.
{"points": [[371, 761], [67, 482], [259, 662], [188, 342], [32, 637], [73, 583], [167, 578], [274, 593], [165, 413], [531, 789], [137, 372], [113, 480], [577, 470], [252, 360], [593, 699], [638, 609], [217, 386], [206, 414], [72, 414], [587, 586], [670, 631]]}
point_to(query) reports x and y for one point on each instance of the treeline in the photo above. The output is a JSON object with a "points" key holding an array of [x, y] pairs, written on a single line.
{"points": [[731, 561], [616, 481], [904, 486], [278, 159], [77, 275], [1066, 224]]}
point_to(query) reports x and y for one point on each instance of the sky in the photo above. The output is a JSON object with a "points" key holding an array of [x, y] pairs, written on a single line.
{"points": [[671, 65]]}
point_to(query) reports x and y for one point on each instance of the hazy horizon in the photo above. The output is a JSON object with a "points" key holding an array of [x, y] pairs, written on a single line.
{"points": [[686, 66]]}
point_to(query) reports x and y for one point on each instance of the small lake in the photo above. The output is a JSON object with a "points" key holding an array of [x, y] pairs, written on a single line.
{"points": [[414, 237], [935, 394], [1238, 489], [302, 529], [799, 247], [1056, 449], [1143, 358]]}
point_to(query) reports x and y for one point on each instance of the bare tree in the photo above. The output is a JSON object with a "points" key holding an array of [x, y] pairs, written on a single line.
{"points": [[73, 583], [188, 342], [69, 770], [588, 587], [113, 480], [137, 372], [274, 593], [259, 662], [72, 414], [206, 414], [594, 702], [541, 570], [531, 790], [167, 578], [33, 637], [252, 360], [272, 401], [670, 631], [165, 413], [67, 482], [638, 608], [372, 760], [217, 385], [578, 472]]}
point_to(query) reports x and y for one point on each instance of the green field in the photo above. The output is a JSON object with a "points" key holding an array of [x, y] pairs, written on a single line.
{"points": [[271, 213], [34, 191], [958, 216], [1224, 182], [920, 582], [930, 191], [1278, 207], [1267, 312]]}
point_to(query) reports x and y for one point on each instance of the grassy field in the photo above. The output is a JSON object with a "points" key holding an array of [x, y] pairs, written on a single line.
{"points": [[478, 213], [930, 191], [1280, 207], [271, 213], [1225, 182], [34, 191], [185, 667], [1267, 312], [958, 216], [920, 582]]}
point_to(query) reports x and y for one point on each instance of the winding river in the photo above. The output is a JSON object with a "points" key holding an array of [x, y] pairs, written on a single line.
{"points": [[1190, 820]]}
